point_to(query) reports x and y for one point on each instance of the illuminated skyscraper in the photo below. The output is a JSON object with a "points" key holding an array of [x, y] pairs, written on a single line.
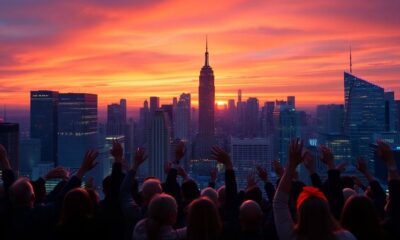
{"points": [[206, 132], [364, 113], [159, 143], [391, 118], [44, 123], [182, 118], [116, 118], [77, 127]]}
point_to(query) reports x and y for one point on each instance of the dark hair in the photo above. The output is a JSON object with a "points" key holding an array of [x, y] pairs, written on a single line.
{"points": [[203, 220], [360, 218], [253, 193], [190, 190], [161, 208], [315, 220], [77, 206]]}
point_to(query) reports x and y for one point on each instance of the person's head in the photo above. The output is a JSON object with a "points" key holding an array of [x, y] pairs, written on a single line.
{"points": [[211, 194], [315, 220], [360, 218], [150, 188], [221, 195], [106, 185], [77, 206], [253, 193], [250, 215], [190, 190], [22, 194], [348, 192], [162, 211], [203, 220]]}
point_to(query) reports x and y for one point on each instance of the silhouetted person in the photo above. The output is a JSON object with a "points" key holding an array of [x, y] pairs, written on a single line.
{"points": [[161, 216], [360, 217], [203, 221], [314, 219]]}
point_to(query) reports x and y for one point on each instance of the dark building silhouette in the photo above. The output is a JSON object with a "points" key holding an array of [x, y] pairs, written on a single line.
{"points": [[154, 104], [206, 134], [9, 138], [364, 113], [77, 128], [116, 118], [44, 123]]}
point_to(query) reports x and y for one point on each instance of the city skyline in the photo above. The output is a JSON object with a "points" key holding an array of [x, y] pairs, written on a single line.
{"points": [[268, 50]]}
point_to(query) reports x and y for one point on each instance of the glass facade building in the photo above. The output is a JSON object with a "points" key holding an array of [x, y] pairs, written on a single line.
{"points": [[364, 113], [77, 127]]}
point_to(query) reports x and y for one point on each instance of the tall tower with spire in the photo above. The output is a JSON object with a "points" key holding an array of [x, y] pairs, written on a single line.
{"points": [[351, 62], [206, 132]]}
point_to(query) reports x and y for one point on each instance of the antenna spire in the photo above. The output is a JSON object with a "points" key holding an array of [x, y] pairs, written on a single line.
{"points": [[351, 63], [206, 54]]}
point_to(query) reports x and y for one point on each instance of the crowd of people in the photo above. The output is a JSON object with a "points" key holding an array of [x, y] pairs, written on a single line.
{"points": [[178, 209]]}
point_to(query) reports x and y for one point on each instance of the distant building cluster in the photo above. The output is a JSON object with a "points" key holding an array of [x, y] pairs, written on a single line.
{"points": [[64, 125]]}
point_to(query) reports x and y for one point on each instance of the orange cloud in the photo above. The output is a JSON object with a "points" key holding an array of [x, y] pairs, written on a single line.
{"points": [[135, 49]]}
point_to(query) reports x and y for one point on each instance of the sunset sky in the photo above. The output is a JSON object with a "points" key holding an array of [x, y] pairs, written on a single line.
{"points": [[136, 49]]}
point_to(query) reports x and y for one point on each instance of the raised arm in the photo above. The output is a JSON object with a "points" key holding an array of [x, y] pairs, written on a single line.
{"points": [[129, 207], [232, 203], [332, 188], [309, 164], [268, 186], [283, 219]]}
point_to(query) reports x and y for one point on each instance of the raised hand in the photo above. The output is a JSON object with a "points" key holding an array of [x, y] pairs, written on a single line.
{"points": [[222, 157], [117, 150], [180, 152], [262, 173], [361, 165], [384, 152], [213, 174], [296, 154], [140, 157], [327, 157], [251, 180], [4, 163], [88, 163], [278, 169], [58, 172]]}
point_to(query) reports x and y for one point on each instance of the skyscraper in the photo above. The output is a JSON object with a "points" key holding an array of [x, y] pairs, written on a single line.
{"points": [[77, 128], [154, 104], [291, 101], [285, 122], [364, 113], [44, 123], [182, 118], [247, 153], [159, 143], [252, 126], [398, 114], [330, 118], [9, 138], [267, 120], [391, 118], [116, 118], [206, 110]]}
